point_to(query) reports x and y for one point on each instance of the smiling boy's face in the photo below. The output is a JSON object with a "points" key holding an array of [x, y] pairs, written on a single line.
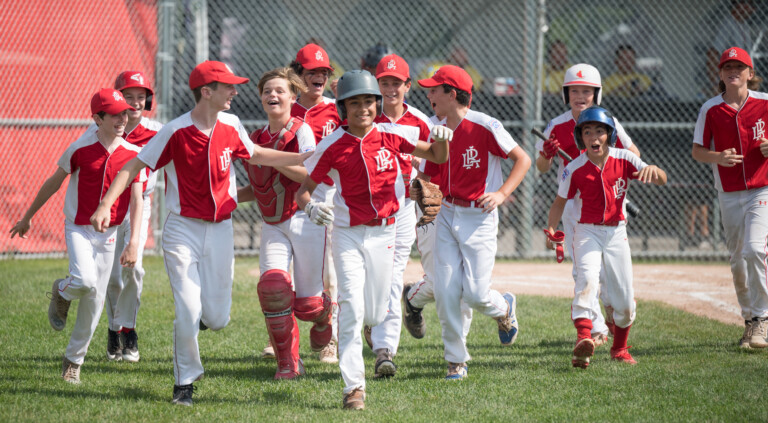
{"points": [[595, 138]]}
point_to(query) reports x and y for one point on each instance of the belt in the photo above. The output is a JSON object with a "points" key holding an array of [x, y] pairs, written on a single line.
{"points": [[380, 222], [607, 223], [463, 203]]}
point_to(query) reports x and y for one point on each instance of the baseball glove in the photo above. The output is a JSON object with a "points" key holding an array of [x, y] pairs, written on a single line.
{"points": [[428, 197]]}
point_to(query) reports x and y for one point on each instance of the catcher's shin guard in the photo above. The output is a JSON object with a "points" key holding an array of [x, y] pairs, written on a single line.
{"points": [[277, 299], [317, 310]]}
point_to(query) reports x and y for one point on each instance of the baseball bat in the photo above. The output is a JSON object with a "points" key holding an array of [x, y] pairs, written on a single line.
{"points": [[632, 209]]}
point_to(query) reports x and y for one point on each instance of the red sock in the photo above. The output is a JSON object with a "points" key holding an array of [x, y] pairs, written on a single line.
{"points": [[583, 328], [620, 336], [126, 330]]}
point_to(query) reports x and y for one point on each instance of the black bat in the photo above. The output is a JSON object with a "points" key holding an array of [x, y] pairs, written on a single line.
{"points": [[632, 208]]}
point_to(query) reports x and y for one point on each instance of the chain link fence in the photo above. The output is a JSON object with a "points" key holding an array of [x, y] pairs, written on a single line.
{"points": [[655, 58]]}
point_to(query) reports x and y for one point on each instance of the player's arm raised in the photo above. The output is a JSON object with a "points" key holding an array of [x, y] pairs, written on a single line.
{"points": [[131, 251], [436, 152], [555, 214], [491, 200], [50, 187], [100, 218], [725, 158]]}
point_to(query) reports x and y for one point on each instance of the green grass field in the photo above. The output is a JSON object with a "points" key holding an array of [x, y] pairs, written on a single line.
{"points": [[689, 367]]}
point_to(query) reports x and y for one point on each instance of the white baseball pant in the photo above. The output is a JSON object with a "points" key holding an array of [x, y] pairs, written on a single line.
{"points": [[745, 224], [423, 291], [200, 260], [296, 237], [126, 283], [465, 253], [387, 333], [90, 261], [364, 257], [605, 247], [570, 220]]}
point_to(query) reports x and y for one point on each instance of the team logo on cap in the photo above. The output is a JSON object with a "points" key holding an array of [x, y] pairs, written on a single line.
{"points": [[733, 53], [137, 77], [579, 74], [117, 96], [319, 56], [391, 64]]}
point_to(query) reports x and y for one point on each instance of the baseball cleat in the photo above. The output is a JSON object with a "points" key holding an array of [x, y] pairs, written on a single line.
{"points": [[328, 354], [456, 371], [508, 326], [384, 367], [58, 308], [582, 352], [114, 349], [744, 341], [355, 400], [759, 333], [412, 318], [599, 338], [622, 354], [182, 395], [286, 371], [70, 371], [130, 346], [268, 351]]}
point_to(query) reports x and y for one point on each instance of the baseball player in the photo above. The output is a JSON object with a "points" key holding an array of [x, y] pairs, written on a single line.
{"points": [[361, 159], [582, 88], [319, 112], [196, 151], [597, 182], [730, 135], [93, 161], [126, 282], [393, 77], [287, 231], [467, 224]]}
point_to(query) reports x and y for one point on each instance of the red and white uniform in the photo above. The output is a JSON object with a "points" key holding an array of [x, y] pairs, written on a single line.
{"points": [[92, 169], [563, 127], [387, 333], [742, 192], [126, 283], [465, 250], [369, 191], [600, 236], [198, 245]]}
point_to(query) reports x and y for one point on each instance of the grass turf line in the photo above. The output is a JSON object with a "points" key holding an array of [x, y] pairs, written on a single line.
{"points": [[689, 367]]}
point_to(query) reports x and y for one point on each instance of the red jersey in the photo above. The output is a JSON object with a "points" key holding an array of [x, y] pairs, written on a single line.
{"points": [[200, 181], [322, 118], [275, 192], [93, 169], [599, 194], [720, 127], [411, 117], [563, 126], [365, 171], [479, 144]]}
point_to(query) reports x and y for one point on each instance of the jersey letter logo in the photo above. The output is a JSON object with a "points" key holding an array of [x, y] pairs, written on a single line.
{"points": [[470, 158], [329, 127], [225, 159], [620, 188], [384, 160], [758, 131]]}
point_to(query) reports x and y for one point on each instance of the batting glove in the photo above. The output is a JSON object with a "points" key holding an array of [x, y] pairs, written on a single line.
{"points": [[319, 213], [442, 133], [550, 148]]}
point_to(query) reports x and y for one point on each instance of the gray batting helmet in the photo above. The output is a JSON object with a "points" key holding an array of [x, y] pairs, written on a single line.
{"points": [[356, 82]]}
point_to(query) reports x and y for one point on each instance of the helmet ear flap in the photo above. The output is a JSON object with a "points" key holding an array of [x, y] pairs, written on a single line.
{"points": [[148, 102], [342, 109]]}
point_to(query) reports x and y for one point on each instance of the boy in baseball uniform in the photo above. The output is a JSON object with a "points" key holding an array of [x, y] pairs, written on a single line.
{"points": [[93, 161], [581, 89], [361, 159], [597, 181], [730, 136], [287, 232], [196, 151], [467, 224]]}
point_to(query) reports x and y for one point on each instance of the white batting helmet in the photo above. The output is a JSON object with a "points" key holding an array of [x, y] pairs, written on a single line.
{"points": [[583, 74]]}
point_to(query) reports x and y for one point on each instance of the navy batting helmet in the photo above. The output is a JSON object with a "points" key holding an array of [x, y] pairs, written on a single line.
{"points": [[373, 56], [599, 115], [356, 82]]}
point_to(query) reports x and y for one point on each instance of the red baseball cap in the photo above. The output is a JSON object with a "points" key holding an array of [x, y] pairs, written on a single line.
{"points": [[213, 71], [737, 54], [393, 65], [312, 56], [110, 101], [451, 75]]}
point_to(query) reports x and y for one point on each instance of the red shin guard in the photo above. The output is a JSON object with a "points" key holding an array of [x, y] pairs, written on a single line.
{"points": [[317, 310], [277, 300]]}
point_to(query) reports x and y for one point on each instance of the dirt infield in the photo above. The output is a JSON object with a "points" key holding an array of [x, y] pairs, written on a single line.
{"points": [[706, 290]]}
